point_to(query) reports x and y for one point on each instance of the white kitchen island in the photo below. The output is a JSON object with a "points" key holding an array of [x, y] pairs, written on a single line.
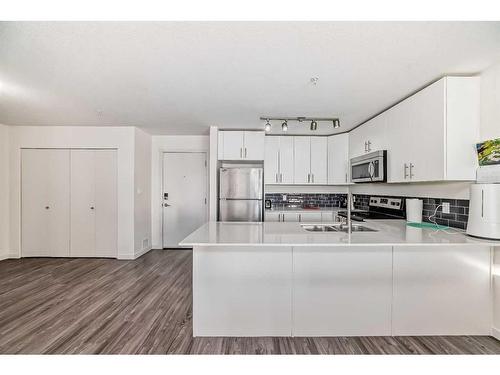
{"points": [[277, 279]]}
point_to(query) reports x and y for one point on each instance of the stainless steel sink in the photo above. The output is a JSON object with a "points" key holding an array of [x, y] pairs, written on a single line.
{"points": [[356, 228], [335, 228], [318, 228]]}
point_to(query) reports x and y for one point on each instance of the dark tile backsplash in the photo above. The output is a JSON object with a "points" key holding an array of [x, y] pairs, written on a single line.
{"points": [[307, 199], [457, 218]]}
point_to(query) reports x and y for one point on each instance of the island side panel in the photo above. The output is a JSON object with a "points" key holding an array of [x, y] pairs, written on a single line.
{"points": [[342, 291], [242, 291], [442, 290]]}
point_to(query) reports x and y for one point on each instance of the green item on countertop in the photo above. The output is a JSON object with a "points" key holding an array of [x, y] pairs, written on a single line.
{"points": [[427, 225]]}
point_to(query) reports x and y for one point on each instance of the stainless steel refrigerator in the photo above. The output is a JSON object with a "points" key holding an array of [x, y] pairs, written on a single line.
{"points": [[240, 194]]}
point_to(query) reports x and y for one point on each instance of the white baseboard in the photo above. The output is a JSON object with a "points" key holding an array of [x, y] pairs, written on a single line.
{"points": [[495, 332], [142, 252], [4, 256]]}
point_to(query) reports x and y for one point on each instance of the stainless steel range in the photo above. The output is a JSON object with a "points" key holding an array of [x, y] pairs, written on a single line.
{"points": [[381, 208]]}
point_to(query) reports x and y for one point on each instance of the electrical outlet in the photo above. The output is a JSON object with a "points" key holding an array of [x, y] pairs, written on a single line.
{"points": [[446, 208]]}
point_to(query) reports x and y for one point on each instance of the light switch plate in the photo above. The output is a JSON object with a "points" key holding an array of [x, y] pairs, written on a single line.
{"points": [[446, 208]]}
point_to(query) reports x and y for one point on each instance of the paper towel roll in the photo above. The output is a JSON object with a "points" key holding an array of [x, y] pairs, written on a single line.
{"points": [[414, 210]]}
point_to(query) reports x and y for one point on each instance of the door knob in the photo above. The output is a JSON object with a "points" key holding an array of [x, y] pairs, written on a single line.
{"points": [[167, 205]]}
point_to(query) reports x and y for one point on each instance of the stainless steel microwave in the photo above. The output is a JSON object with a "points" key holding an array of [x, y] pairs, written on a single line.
{"points": [[370, 167]]}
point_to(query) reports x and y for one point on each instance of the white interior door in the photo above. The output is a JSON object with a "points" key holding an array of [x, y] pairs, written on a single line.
{"points": [[184, 195], [45, 202], [83, 203], [94, 218]]}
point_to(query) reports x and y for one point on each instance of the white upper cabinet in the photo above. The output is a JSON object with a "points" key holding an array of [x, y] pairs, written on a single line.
{"points": [[369, 137], [319, 160], [338, 159], [310, 164], [278, 160], [241, 145], [302, 163], [431, 135]]}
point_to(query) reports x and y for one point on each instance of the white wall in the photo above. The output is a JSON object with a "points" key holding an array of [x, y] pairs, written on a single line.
{"points": [[142, 195], [4, 191], [162, 144], [121, 138]]}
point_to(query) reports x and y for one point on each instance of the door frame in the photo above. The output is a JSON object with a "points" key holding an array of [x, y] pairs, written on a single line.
{"points": [[207, 183]]}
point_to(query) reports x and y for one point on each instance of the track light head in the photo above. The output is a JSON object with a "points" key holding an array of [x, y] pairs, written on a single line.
{"points": [[314, 125], [267, 127], [284, 126]]}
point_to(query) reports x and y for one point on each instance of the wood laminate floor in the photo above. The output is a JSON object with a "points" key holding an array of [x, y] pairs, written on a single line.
{"points": [[53, 305]]}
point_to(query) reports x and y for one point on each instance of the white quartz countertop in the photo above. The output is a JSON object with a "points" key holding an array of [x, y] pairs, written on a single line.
{"points": [[389, 232]]}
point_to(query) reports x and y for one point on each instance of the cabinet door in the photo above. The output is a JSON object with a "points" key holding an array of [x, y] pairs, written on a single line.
{"points": [[442, 290], [290, 216], [342, 291], [232, 145], [253, 148], [302, 160], [310, 217], [400, 142], [83, 203], [272, 216], [426, 139], [106, 204], [338, 159], [286, 160], [271, 160], [45, 198], [375, 133], [357, 141], [319, 160]]}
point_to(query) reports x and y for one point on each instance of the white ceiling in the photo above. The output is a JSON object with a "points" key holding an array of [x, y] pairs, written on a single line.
{"points": [[182, 77]]}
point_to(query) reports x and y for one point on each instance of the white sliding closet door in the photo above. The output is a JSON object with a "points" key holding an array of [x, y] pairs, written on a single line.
{"points": [[45, 200], [93, 203]]}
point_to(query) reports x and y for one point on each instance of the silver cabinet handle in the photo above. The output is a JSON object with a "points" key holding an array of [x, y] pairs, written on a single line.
{"points": [[312, 178], [245, 152], [369, 144], [276, 178], [241, 153], [308, 177], [300, 217], [281, 177], [482, 203], [411, 171], [406, 173], [365, 146], [346, 177]]}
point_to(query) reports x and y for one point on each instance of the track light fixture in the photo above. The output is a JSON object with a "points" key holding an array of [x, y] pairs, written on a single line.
{"points": [[267, 127], [300, 119]]}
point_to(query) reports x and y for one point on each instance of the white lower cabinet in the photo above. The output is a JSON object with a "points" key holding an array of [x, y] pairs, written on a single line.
{"points": [[342, 291], [442, 290], [69, 203]]}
